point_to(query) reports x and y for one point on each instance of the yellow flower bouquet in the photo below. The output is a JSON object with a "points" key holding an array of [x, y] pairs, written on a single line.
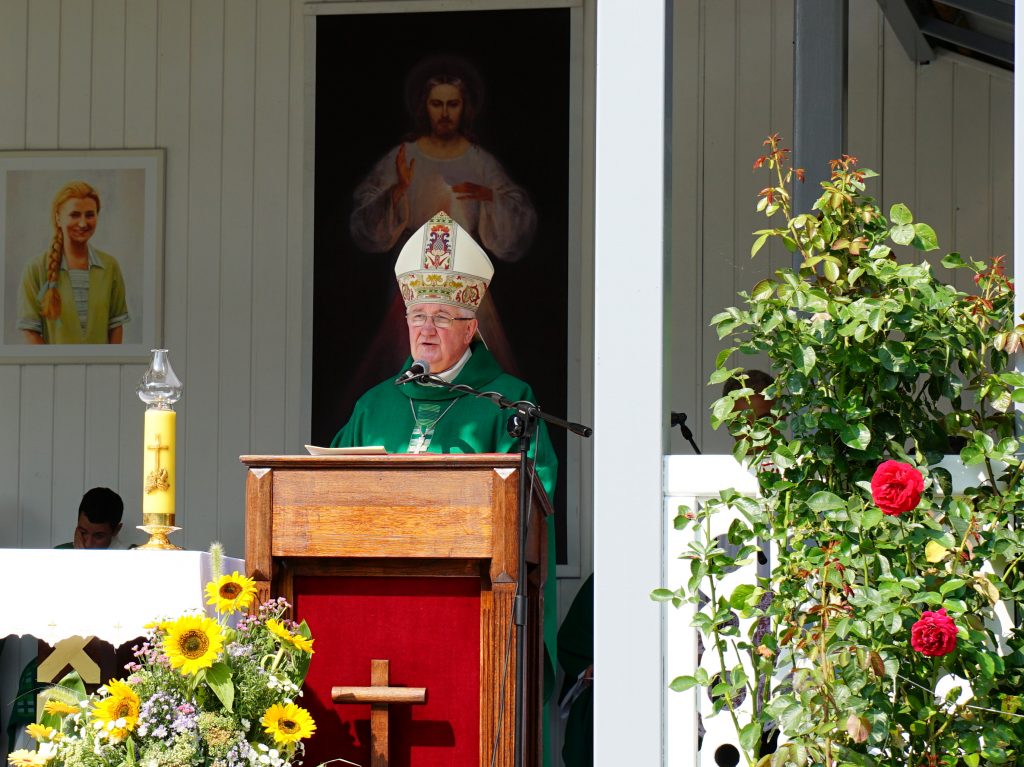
{"points": [[200, 694]]}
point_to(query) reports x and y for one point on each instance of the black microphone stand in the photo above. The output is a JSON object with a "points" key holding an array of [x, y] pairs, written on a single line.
{"points": [[521, 425], [679, 419]]}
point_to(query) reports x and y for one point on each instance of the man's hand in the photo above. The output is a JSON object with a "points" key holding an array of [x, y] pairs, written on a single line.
{"points": [[467, 190], [404, 172]]}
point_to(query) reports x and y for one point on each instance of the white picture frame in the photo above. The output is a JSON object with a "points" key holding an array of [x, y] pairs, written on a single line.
{"points": [[130, 185]]}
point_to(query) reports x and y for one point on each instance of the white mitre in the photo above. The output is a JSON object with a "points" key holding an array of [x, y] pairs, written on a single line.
{"points": [[442, 264]]}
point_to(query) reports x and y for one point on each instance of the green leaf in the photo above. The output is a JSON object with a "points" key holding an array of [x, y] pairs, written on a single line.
{"points": [[783, 458], [70, 689], [903, 234], [720, 375], [662, 595], [763, 290], [722, 408], [724, 355], [972, 759], [218, 677], [872, 516], [900, 214], [683, 683], [854, 275], [856, 435], [740, 595], [807, 360], [972, 454], [750, 736], [894, 356], [831, 271], [758, 243], [986, 664], [953, 261], [951, 585], [823, 500], [925, 238]]}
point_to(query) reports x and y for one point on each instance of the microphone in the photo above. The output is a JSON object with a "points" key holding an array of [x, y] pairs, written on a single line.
{"points": [[416, 369], [679, 419]]}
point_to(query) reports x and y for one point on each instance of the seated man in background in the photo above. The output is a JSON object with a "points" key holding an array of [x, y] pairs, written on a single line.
{"points": [[758, 380], [99, 521]]}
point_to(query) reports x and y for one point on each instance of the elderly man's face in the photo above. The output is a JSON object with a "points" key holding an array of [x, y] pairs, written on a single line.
{"points": [[440, 347]]}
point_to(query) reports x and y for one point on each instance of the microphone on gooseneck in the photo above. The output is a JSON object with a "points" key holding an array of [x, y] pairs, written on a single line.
{"points": [[416, 369]]}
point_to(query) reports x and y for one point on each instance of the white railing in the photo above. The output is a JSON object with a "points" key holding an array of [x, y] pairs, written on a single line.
{"points": [[689, 481]]}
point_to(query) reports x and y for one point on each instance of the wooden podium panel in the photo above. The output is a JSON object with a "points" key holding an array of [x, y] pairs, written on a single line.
{"points": [[388, 557]]}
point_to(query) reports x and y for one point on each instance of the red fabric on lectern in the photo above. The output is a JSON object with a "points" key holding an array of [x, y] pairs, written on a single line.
{"points": [[429, 629]]}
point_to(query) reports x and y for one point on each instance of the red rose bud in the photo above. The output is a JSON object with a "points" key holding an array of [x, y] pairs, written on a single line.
{"points": [[896, 487], [934, 634]]}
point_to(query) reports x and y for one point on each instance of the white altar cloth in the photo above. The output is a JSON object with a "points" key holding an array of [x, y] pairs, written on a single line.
{"points": [[53, 594]]}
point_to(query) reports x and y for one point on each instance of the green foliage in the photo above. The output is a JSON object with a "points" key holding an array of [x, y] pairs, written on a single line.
{"points": [[874, 359]]}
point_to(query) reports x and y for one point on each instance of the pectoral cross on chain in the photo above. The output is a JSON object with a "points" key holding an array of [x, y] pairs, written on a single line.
{"points": [[379, 695], [157, 479]]}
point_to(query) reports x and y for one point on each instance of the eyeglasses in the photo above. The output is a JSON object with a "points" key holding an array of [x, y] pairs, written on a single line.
{"points": [[437, 320]]}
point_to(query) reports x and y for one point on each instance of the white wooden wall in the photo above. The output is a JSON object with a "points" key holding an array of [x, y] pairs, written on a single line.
{"points": [[940, 135], [219, 84]]}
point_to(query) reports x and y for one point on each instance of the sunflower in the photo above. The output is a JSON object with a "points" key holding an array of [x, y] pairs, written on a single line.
{"points": [[25, 758], [301, 643], [193, 642], [295, 640], [40, 732], [119, 711], [231, 593], [59, 707], [288, 724]]}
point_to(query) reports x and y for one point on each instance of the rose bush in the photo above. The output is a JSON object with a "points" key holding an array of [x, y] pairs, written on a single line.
{"points": [[884, 583], [896, 487]]}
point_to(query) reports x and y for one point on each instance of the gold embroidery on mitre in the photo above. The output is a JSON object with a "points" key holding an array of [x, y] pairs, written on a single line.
{"points": [[452, 288]]}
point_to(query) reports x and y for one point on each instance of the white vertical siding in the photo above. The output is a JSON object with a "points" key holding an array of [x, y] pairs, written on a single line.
{"points": [[218, 84], [940, 135]]}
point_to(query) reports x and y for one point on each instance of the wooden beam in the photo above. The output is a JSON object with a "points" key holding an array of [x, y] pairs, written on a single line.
{"points": [[990, 9], [905, 25], [968, 38]]}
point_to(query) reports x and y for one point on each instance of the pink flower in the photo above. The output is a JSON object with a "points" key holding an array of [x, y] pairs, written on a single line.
{"points": [[896, 487], [934, 634]]}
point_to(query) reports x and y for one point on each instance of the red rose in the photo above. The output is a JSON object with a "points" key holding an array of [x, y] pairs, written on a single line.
{"points": [[896, 487], [934, 634]]}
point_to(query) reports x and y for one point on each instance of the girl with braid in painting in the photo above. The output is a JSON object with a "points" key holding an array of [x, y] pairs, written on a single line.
{"points": [[73, 293]]}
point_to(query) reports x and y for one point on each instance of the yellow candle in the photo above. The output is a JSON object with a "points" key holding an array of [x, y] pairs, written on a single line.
{"points": [[158, 464]]}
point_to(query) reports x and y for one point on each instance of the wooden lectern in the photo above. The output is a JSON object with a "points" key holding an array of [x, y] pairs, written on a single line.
{"points": [[413, 559]]}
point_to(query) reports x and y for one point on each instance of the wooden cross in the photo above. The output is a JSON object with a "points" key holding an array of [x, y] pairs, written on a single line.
{"points": [[379, 695]]}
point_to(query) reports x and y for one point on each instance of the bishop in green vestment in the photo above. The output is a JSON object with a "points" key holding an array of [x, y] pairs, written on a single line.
{"points": [[443, 275]]}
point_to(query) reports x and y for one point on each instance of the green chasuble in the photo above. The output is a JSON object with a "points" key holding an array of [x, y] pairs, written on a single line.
{"points": [[384, 416]]}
